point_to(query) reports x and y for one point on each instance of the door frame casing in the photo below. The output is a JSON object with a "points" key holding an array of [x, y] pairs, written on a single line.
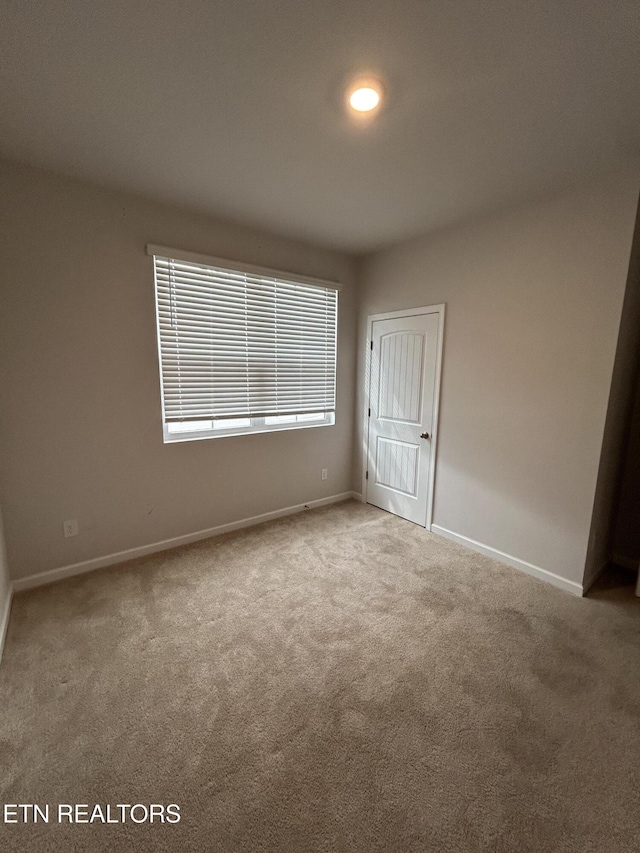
{"points": [[391, 315]]}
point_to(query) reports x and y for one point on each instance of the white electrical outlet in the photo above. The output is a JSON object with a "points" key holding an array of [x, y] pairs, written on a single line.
{"points": [[70, 528], [324, 473]]}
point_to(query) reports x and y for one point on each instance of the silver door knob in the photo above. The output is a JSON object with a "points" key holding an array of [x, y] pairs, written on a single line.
{"points": [[425, 435]]}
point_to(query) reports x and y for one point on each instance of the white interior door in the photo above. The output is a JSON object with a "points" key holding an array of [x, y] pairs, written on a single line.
{"points": [[404, 356]]}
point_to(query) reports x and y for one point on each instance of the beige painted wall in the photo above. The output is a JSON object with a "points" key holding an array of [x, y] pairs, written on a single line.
{"points": [[614, 490], [534, 299], [81, 433]]}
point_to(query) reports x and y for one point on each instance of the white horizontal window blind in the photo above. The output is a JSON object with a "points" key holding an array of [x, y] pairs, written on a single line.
{"points": [[243, 344]]}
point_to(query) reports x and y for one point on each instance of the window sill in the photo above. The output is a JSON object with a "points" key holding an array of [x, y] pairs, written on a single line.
{"points": [[203, 435]]}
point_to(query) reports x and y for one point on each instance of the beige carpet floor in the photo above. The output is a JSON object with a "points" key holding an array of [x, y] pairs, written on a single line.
{"points": [[339, 680]]}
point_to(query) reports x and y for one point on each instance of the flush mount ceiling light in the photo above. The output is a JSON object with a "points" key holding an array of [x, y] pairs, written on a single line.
{"points": [[365, 95]]}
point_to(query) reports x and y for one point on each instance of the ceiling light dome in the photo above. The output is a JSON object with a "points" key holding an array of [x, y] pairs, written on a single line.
{"points": [[365, 95]]}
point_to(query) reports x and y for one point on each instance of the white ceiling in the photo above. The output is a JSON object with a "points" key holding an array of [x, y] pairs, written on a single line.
{"points": [[235, 107]]}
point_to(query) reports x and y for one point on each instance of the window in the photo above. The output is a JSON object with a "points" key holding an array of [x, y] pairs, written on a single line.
{"points": [[242, 349]]}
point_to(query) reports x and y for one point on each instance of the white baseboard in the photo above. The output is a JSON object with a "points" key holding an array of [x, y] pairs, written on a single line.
{"points": [[537, 572], [358, 496], [53, 575], [4, 619]]}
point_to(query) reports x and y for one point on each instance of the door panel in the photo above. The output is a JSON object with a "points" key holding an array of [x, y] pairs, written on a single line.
{"points": [[401, 394], [397, 465], [401, 376]]}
